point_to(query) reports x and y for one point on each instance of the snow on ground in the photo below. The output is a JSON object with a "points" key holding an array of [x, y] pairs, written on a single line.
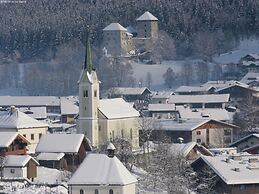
{"points": [[51, 176], [22, 188], [246, 46], [156, 71]]}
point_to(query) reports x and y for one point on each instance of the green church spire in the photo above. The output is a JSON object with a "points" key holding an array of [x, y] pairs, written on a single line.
{"points": [[88, 57]]}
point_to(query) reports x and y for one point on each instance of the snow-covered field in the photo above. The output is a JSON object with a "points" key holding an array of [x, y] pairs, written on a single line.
{"points": [[246, 46]]}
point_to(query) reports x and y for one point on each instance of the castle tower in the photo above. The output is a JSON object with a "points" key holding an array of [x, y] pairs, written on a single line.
{"points": [[116, 39], [88, 100], [147, 26]]}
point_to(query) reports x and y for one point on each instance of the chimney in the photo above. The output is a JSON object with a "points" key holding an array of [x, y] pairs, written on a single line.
{"points": [[12, 110], [111, 149]]}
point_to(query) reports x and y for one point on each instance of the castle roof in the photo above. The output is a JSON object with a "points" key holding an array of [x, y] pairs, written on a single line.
{"points": [[147, 16], [114, 26], [99, 169]]}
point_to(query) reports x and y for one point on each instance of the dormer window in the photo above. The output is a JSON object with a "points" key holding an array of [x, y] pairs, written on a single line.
{"points": [[85, 94]]}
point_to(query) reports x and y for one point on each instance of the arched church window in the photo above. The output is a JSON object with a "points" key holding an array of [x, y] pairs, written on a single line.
{"points": [[110, 191], [85, 93], [96, 191], [82, 191]]}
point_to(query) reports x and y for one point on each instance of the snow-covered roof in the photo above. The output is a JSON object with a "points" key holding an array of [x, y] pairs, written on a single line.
{"points": [[161, 107], [193, 88], [164, 94], [147, 16], [18, 161], [8, 137], [99, 169], [253, 55], [130, 91], [61, 143], [117, 108], [244, 139], [68, 107], [250, 77], [29, 101], [18, 120], [210, 98], [235, 83], [187, 124], [212, 113], [35, 112], [50, 156], [114, 27], [218, 83], [235, 172], [184, 149]]}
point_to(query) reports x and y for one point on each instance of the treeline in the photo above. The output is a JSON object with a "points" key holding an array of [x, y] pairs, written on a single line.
{"points": [[38, 27]]}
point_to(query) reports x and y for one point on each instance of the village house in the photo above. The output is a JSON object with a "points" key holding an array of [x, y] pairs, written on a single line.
{"points": [[20, 167], [42, 107], [102, 174], [246, 142], [103, 120], [191, 150], [140, 96], [235, 174], [200, 101], [161, 97], [251, 79], [194, 90], [250, 62], [14, 120], [13, 143], [207, 132], [62, 151], [170, 111]]}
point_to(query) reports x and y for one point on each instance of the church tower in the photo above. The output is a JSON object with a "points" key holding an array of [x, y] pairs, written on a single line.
{"points": [[88, 99]]}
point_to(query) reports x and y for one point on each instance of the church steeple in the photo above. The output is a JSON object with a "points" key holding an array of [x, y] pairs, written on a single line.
{"points": [[88, 56]]}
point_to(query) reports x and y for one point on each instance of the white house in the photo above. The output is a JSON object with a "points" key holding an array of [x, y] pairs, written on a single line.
{"points": [[20, 167], [14, 120], [102, 174]]}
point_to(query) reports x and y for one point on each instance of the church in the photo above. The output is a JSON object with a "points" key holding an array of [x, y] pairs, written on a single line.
{"points": [[103, 120]]}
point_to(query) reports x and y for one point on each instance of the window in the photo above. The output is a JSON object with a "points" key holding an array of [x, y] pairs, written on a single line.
{"points": [[12, 171], [40, 135], [131, 133], [32, 136], [198, 133], [82, 191], [96, 191], [85, 93], [198, 140], [110, 191], [122, 133], [95, 93], [24, 135], [113, 136], [100, 128]]}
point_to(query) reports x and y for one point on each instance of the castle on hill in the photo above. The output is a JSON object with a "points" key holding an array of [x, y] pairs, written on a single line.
{"points": [[119, 40]]}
